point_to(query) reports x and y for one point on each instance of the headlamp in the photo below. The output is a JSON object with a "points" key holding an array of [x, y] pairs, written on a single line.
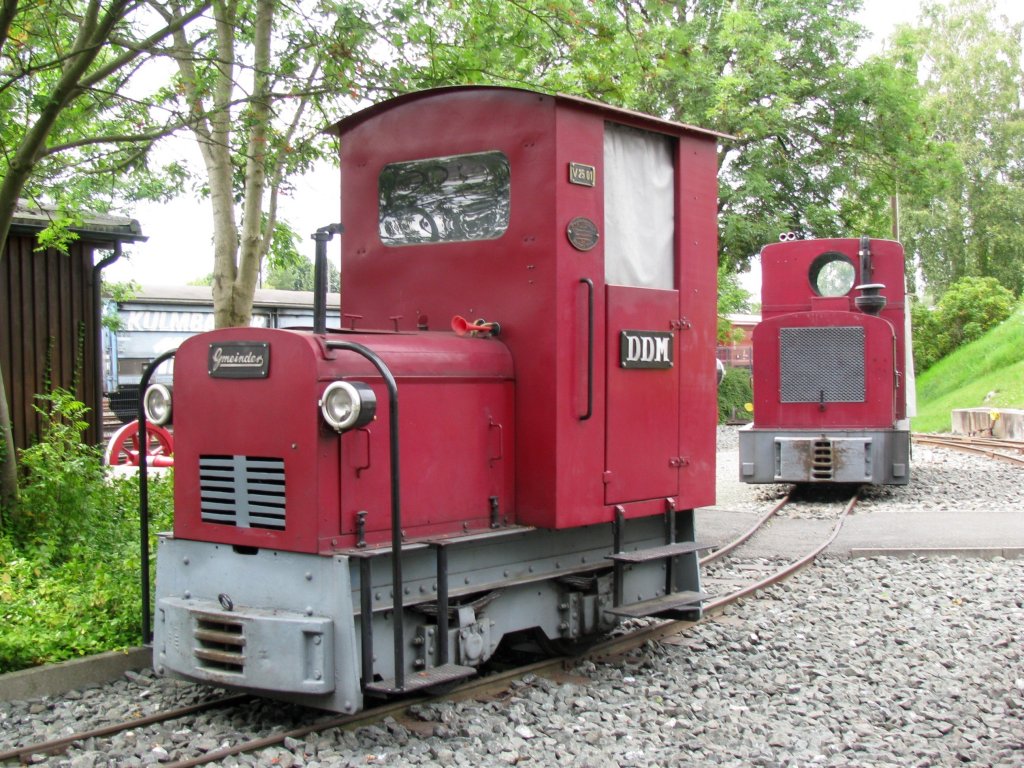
{"points": [[156, 404], [348, 405]]}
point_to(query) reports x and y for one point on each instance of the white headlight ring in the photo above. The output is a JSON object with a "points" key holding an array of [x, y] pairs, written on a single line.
{"points": [[348, 405], [157, 404]]}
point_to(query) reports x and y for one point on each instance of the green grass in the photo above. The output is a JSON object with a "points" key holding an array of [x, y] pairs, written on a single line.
{"points": [[986, 373]]}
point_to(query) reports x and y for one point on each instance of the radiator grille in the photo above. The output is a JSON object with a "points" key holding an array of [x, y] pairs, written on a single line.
{"points": [[220, 645], [822, 365], [822, 460], [243, 491]]}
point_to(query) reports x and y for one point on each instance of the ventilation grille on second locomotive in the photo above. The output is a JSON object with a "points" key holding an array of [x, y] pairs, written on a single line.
{"points": [[823, 365], [244, 491], [823, 462]]}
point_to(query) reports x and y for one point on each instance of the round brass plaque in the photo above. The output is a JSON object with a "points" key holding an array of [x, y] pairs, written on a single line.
{"points": [[582, 233]]}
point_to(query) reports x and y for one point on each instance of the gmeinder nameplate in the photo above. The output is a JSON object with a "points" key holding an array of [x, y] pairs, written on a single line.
{"points": [[239, 360]]}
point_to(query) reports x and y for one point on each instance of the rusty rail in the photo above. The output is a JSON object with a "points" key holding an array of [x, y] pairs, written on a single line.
{"points": [[605, 650], [990, 448]]}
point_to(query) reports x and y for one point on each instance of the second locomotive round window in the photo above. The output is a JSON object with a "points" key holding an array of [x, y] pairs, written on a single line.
{"points": [[444, 199], [832, 274]]}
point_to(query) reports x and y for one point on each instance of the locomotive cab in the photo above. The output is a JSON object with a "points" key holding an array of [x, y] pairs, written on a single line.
{"points": [[529, 322], [833, 384], [588, 233]]}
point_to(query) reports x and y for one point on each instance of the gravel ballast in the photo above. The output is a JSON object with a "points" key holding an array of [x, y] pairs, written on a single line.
{"points": [[853, 662]]}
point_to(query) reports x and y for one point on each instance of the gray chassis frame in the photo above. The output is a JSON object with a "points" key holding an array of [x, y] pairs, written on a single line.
{"points": [[300, 613]]}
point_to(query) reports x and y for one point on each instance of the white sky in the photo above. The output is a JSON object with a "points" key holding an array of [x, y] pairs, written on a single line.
{"points": [[179, 248], [180, 245]]}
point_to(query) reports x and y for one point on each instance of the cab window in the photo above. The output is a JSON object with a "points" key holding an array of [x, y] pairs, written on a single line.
{"points": [[639, 207], [444, 199]]}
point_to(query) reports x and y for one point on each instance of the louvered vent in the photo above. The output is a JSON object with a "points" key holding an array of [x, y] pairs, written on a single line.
{"points": [[822, 365], [243, 491], [220, 645], [823, 460]]}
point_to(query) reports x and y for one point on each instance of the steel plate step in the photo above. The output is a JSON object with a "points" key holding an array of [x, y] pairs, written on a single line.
{"points": [[428, 678], [654, 553], [664, 606]]}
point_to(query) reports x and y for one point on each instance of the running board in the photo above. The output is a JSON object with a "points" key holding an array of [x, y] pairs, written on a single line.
{"points": [[655, 553], [428, 678], [672, 606]]}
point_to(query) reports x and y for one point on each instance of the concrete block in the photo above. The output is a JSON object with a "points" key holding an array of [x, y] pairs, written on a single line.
{"points": [[57, 679], [973, 553], [1003, 423]]}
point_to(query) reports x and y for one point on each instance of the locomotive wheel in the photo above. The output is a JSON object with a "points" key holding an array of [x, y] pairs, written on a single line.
{"points": [[123, 447], [559, 646], [125, 404]]}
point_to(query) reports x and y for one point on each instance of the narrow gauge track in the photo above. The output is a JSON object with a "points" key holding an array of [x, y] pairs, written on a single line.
{"points": [[784, 571], [58, 746], [1010, 451], [764, 577], [615, 647]]}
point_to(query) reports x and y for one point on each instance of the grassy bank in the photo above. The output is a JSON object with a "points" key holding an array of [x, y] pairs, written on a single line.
{"points": [[986, 373]]}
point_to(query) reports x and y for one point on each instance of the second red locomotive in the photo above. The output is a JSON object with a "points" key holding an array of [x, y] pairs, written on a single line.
{"points": [[832, 376], [507, 438]]}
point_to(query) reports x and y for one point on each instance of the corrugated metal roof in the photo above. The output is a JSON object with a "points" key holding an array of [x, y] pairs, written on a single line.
{"points": [[95, 227]]}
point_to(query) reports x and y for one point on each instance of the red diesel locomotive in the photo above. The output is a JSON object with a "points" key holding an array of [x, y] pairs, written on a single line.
{"points": [[832, 375], [507, 438]]}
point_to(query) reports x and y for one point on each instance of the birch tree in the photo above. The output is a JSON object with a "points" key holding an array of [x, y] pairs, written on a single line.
{"points": [[972, 60], [261, 83]]}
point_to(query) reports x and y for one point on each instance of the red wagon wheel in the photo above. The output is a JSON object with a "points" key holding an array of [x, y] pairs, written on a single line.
{"points": [[123, 447]]}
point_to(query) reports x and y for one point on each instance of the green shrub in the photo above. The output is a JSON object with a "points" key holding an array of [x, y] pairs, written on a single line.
{"points": [[965, 312], [62, 479], [52, 614], [70, 562], [734, 393]]}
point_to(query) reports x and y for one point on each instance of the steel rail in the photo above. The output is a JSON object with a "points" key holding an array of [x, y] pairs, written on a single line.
{"points": [[716, 607], [993, 442], [722, 551], [474, 688], [975, 440], [57, 746], [600, 652], [975, 446], [791, 568]]}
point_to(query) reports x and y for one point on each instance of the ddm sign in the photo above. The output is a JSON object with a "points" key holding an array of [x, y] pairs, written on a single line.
{"points": [[645, 349]]}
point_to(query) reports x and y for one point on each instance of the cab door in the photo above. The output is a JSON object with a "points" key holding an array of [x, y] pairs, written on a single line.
{"points": [[642, 306]]}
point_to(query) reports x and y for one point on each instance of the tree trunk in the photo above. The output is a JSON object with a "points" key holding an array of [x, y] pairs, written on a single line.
{"points": [[8, 464], [237, 255], [250, 255]]}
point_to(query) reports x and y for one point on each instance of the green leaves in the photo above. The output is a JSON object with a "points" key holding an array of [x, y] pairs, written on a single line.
{"points": [[970, 307], [69, 563], [259, 81], [779, 75], [735, 391], [966, 220], [82, 124], [826, 145]]}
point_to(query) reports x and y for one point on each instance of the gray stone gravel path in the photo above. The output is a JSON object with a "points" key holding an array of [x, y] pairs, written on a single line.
{"points": [[854, 662]]}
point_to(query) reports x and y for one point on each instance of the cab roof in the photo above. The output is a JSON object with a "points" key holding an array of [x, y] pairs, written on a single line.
{"points": [[613, 113]]}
